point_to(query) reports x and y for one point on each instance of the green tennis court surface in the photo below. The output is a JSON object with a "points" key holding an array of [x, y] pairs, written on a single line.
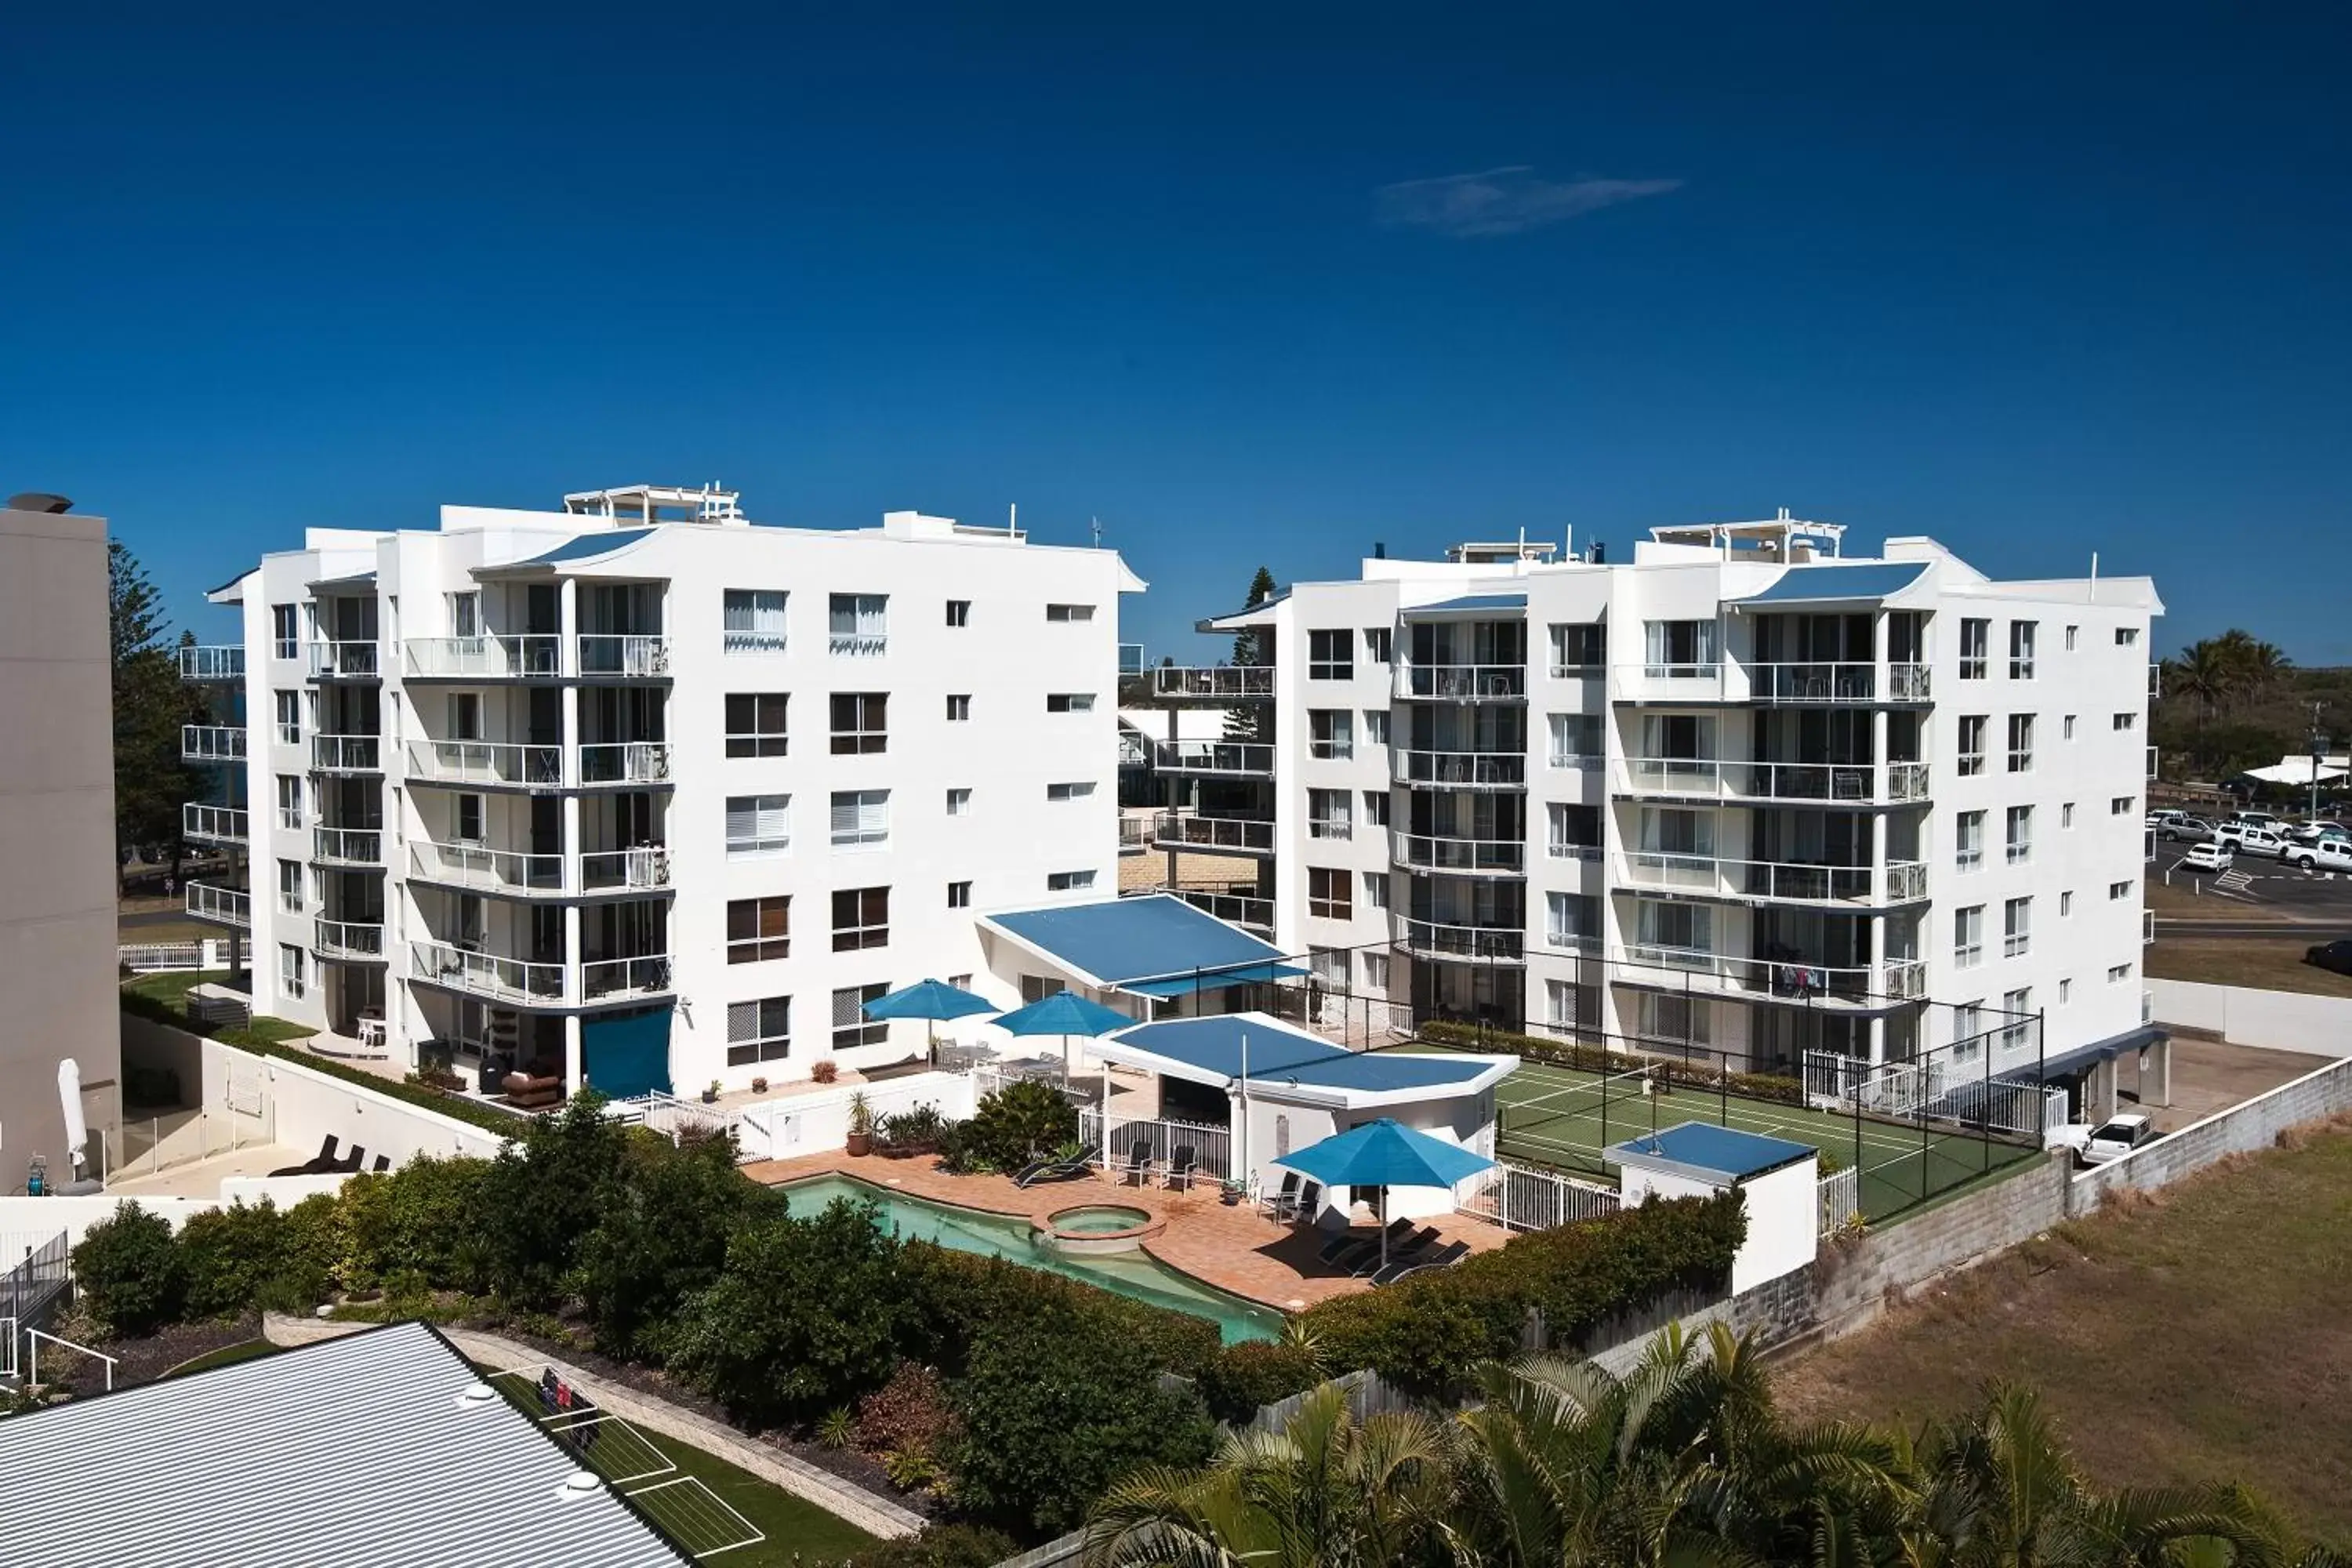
{"points": [[1565, 1117]]}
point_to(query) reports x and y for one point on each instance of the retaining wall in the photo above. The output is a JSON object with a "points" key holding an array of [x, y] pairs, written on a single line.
{"points": [[2281, 1020], [2240, 1129]]}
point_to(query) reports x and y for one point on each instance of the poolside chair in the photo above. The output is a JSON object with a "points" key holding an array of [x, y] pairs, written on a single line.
{"points": [[1277, 1204], [324, 1159], [382, 1163], [1037, 1170], [1346, 1241], [1308, 1202], [1410, 1249], [1182, 1161], [351, 1162], [1446, 1257], [1138, 1168]]}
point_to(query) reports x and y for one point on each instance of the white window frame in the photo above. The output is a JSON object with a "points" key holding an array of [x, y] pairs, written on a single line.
{"points": [[859, 818], [1968, 936], [759, 1029], [959, 707], [751, 622], [758, 825], [755, 948], [1329, 814], [857, 626], [2018, 835], [2017, 927], [1069, 702], [852, 1029], [868, 733], [959, 802], [293, 979], [1967, 840], [758, 739], [1070, 881], [1976, 646], [1337, 743], [1331, 653], [2020, 755], [1969, 761], [1075, 789], [1069, 614], [864, 936]]}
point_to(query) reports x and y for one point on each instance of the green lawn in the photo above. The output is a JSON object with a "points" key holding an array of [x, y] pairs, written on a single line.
{"points": [[227, 1355], [172, 990]]}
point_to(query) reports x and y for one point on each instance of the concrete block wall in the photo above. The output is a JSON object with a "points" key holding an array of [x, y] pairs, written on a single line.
{"points": [[2240, 1129]]}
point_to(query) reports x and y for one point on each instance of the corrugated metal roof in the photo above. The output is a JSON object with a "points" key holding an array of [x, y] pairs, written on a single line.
{"points": [[1470, 604], [353, 1452], [1809, 584]]}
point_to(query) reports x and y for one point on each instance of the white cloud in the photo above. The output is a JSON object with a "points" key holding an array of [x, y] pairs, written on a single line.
{"points": [[1503, 201]]}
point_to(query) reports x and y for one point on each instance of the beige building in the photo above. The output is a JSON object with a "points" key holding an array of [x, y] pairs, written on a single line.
{"points": [[57, 840]]}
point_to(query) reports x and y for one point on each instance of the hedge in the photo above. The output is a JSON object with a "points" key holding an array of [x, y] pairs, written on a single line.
{"points": [[1600, 1059]]}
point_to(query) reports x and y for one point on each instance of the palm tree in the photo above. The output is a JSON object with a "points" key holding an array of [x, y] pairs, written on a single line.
{"points": [[2201, 671]]}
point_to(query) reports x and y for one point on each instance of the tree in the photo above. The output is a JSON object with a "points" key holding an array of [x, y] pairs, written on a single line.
{"points": [[128, 1272], [663, 1241], [545, 1194], [151, 782], [1253, 647]]}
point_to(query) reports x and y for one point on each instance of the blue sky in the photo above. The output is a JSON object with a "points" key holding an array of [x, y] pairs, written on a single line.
{"points": [[1249, 284]]}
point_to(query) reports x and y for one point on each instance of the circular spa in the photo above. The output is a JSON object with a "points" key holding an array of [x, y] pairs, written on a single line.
{"points": [[1096, 1228]]}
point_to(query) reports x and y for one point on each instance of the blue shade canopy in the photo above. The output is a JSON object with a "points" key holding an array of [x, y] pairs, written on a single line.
{"points": [[1704, 1150], [1116, 941], [1384, 1154], [1819, 583], [932, 999], [1064, 1013]]}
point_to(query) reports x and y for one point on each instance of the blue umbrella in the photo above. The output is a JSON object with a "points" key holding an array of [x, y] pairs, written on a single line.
{"points": [[1064, 1012], [1384, 1154], [929, 1000]]}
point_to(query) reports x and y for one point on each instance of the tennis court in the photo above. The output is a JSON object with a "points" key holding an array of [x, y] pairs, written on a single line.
{"points": [[1565, 1117]]}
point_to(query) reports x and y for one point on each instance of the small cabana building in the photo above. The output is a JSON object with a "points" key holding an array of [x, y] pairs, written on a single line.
{"points": [[1153, 956], [1782, 1179]]}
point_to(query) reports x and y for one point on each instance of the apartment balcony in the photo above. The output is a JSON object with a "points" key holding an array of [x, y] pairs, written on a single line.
{"points": [[1855, 784], [623, 656], [359, 847], [1218, 834], [1780, 685], [346, 755], [1134, 835], [521, 983], [1224, 683], [212, 743], [1459, 943], [512, 874], [1793, 981], [215, 824], [623, 763], [1437, 853], [484, 658], [1243, 909], [500, 764], [1215, 758], [345, 661], [348, 941], [1459, 770], [1773, 881], [216, 661], [1460, 683], [222, 906]]}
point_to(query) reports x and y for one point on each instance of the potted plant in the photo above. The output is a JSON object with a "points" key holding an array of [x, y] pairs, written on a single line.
{"points": [[861, 1124], [1230, 1192], [759, 1086], [824, 1072], [710, 1095]]}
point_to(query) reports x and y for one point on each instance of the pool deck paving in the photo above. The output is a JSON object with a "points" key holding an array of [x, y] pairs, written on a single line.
{"points": [[1236, 1249]]}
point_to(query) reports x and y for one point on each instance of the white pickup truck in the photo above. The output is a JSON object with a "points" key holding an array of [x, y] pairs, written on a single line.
{"points": [[2110, 1139]]}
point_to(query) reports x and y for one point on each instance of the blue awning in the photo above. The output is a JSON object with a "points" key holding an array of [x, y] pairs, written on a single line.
{"points": [[1827, 584], [588, 546], [1211, 1050], [1115, 941], [1704, 1150], [2081, 1058]]}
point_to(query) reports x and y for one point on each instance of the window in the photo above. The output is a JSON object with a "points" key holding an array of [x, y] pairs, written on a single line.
{"points": [[2126, 722], [1377, 644], [759, 824], [466, 613], [2021, 742], [1376, 971], [2071, 634], [289, 971], [1974, 636], [2118, 892], [1574, 832], [1376, 889], [861, 818], [1968, 836], [958, 895], [1326, 813], [1376, 726], [2126, 636], [861, 918], [2021, 834], [2017, 1031], [2067, 816], [1676, 1018], [1572, 920], [851, 1026], [1069, 611], [1069, 881], [2065, 992], [285, 631], [1559, 1003], [751, 621], [755, 723], [289, 801], [759, 928], [959, 803], [1672, 832], [861, 722], [958, 612], [1328, 964], [1069, 702], [960, 981], [1575, 740], [1968, 937], [290, 717], [1678, 649], [1972, 742], [759, 1031], [2020, 649], [2119, 974], [1331, 654], [1077, 791], [1677, 928], [465, 819], [959, 709], [1376, 808], [290, 885], [1576, 647], [2016, 927], [1330, 733], [1967, 1029], [2121, 805], [2067, 732], [2066, 905], [1328, 894], [465, 713], [860, 624], [1037, 987]]}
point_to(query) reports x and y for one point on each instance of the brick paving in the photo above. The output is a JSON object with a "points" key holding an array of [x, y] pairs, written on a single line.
{"points": [[1237, 1250]]}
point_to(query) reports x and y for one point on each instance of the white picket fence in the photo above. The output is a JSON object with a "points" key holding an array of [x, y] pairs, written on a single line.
{"points": [[1933, 1090], [1212, 1147], [173, 957], [1841, 1197], [1529, 1197]]}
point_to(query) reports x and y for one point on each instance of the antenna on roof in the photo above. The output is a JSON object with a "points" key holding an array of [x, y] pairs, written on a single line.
{"points": [[1094, 526]]}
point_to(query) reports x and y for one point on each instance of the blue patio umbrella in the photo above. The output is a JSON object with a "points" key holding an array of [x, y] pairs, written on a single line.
{"points": [[929, 1000], [1385, 1154], [1064, 1012]]}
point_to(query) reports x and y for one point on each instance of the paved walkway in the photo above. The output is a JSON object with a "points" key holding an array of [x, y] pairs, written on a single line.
{"points": [[1236, 1250]]}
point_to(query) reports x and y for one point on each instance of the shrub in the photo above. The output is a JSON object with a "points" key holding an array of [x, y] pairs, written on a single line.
{"points": [[955, 1297], [240, 1257], [662, 1240], [824, 1072], [128, 1271], [544, 1195], [1598, 1058], [1013, 1126], [1241, 1378], [941, 1546], [915, 1132], [911, 1410]]}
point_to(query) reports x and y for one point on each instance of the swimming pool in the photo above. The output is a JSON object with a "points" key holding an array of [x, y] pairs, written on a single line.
{"points": [[1133, 1274]]}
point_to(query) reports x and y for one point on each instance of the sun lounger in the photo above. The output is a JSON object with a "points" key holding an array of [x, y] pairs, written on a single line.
{"points": [[1308, 1202], [1402, 1251], [323, 1161], [351, 1162], [1038, 1171], [1446, 1257]]}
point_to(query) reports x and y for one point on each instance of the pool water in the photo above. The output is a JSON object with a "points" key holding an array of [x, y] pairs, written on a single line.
{"points": [[1104, 1221], [1136, 1274]]}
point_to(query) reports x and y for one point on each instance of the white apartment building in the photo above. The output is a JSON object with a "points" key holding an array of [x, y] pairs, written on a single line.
{"points": [[643, 790], [1744, 793]]}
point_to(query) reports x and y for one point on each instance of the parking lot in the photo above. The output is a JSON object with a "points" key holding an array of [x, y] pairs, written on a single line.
{"points": [[2271, 892]]}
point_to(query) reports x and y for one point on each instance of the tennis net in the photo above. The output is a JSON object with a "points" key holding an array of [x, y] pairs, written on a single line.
{"points": [[1575, 1101]]}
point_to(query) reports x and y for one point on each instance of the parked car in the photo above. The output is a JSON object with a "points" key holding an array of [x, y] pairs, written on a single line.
{"points": [[2314, 832], [2250, 838], [2335, 956], [2179, 826], [2111, 1139], [2320, 855], [2214, 855], [2261, 819]]}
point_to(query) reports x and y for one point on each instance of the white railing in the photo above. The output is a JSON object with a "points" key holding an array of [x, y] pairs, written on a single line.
{"points": [[347, 845], [1334, 827], [1211, 1147], [1436, 852], [1460, 683], [1801, 684], [346, 754], [482, 975], [630, 654], [486, 763], [1798, 978], [344, 660], [646, 866], [213, 824], [1500, 945], [494, 870], [625, 761], [1571, 942], [1716, 779], [1812, 682], [1935, 1090], [1460, 770], [219, 661], [646, 974], [347, 939], [1905, 881], [1182, 830], [173, 957], [212, 743], [537, 657], [1841, 1193], [1665, 682], [2147, 927], [1558, 851], [1526, 1197], [1238, 758], [1134, 833], [1240, 908], [1710, 877], [1224, 681], [229, 906], [1580, 761]]}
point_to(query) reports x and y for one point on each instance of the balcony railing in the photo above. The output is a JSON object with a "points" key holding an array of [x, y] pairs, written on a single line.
{"points": [[1460, 683], [1437, 939], [491, 870], [1860, 783], [644, 867], [487, 763], [1708, 876], [346, 755], [213, 824], [218, 661], [1240, 908], [226, 906], [1792, 979], [1437, 852], [1232, 759], [1222, 683], [1182, 830], [481, 974], [212, 743], [1558, 851], [604, 979], [347, 845], [538, 656], [345, 661], [1134, 835], [631, 655], [1810, 683], [1799, 684], [348, 940], [625, 761], [1460, 770]]}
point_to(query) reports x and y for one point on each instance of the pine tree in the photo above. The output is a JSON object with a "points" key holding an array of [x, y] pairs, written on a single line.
{"points": [[151, 782], [1252, 646]]}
